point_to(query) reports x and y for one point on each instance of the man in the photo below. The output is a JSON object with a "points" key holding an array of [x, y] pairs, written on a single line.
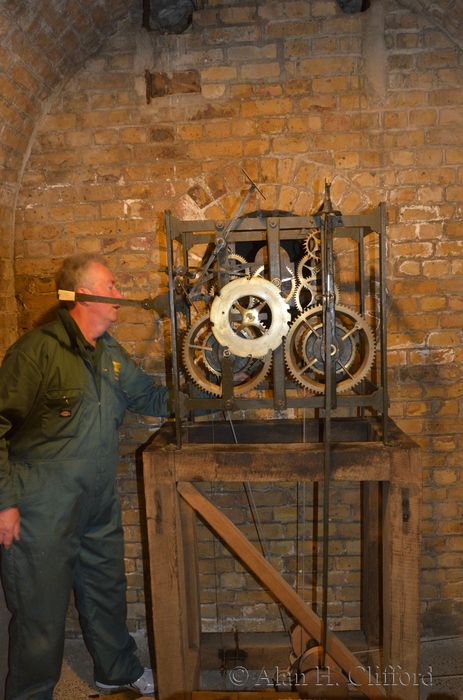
{"points": [[64, 390]]}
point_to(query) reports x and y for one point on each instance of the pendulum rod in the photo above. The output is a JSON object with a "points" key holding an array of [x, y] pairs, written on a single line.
{"points": [[330, 391]]}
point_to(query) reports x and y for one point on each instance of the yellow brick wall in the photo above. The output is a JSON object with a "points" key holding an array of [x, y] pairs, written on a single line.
{"points": [[285, 94]]}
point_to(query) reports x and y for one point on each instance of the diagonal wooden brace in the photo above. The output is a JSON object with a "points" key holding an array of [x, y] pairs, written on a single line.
{"points": [[265, 572]]}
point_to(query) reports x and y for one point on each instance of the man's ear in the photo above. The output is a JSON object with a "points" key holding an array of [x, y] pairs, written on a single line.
{"points": [[82, 290]]}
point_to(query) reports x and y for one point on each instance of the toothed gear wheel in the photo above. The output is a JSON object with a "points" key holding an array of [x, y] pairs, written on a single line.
{"points": [[306, 296], [202, 354], [239, 269], [352, 349], [312, 243], [269, 315], [306, 271]]}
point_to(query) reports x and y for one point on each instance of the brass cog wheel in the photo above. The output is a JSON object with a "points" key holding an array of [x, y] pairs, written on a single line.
{"points": [[312, 243], [306, 272], [202, 354], [352, 349], [238, 268], [268, 317]]}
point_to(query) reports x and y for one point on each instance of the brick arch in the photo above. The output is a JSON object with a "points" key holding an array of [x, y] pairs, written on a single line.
{"points": [[447, 15], [42, 45], [299, 188]]}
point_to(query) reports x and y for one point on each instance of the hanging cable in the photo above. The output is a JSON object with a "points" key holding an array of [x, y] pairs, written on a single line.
{"points": [[258, 527]]}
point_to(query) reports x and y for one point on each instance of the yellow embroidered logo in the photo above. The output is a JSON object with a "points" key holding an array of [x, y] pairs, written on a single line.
{"points": [[117, 368]]}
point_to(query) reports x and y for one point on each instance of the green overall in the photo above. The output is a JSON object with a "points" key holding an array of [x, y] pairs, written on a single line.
{"points": [[60, 411]]}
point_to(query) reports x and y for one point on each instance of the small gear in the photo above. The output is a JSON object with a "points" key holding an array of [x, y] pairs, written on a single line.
{"points": [[307, 271], [291, 282], [305, 296], [311, 295], [239, 269], [312, 243], [352, 349]]}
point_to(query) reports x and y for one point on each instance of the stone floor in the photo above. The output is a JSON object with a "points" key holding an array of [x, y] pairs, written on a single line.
{"points": [[441, 669], [76, 681]]}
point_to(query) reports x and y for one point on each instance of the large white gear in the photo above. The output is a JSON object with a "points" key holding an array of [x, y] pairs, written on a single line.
{"points": [[268, 315]]}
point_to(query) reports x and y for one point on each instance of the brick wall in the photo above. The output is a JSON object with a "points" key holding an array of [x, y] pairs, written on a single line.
{"points": [[292, 92], [40, 47]]}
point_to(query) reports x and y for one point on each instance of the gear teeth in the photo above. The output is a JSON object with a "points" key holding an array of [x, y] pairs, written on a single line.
{"points": [[204, 384], [345, 384], [312, 237], [297, 296]]}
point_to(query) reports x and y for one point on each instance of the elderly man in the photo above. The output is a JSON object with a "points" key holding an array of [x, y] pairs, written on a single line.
{"points": [[64, 390]]}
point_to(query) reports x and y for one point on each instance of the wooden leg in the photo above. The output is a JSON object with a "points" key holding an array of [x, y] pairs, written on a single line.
{"points": [[401, 579], [190, 551], [372, 585], [168, 586]]}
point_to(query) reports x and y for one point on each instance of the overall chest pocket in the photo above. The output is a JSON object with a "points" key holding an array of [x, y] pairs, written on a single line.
{"points": [[62, 413]]}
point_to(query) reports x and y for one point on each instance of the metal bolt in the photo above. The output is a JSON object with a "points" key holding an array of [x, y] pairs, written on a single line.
{"points": [[219, 224], [273, 223]]}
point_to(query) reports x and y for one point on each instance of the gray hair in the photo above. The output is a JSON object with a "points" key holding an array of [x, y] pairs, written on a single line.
{"points": [[73, 273]]}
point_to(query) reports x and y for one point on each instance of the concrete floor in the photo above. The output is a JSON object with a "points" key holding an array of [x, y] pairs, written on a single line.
{"points": [[441, 669], [76, 682]]}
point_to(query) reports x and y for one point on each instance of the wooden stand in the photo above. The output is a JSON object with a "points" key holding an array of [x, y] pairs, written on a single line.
{"points": [[274, 451]]}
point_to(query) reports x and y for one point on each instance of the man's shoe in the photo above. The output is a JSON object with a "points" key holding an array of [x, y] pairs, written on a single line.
{"points": [[143, 686]]}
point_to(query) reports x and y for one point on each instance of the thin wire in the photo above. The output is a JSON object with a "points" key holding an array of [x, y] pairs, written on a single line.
{"points": [[258, 525], [303, 526]]}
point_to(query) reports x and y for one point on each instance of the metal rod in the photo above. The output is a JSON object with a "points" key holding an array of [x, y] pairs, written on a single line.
{"points": [[66, 295], [330, 395], [173, 330], [224, 237], [382, 282]]}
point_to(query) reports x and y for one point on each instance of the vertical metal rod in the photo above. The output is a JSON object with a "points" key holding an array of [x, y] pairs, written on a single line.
{"points": [[329, 336], [173, 328], [382, 310], [361, 260]]}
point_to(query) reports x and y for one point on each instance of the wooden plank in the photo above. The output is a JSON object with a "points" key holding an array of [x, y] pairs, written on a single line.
{"points": [[243, 695], [372, 558], [278, 586], [190, 555], [281, 462], [401, 576], [167, 581]]}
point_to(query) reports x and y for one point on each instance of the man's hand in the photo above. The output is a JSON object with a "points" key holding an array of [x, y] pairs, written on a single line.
{"points": [[9, 526]]}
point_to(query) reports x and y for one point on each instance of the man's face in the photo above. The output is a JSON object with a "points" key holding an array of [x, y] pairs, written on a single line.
{"points": [[100, 282]]}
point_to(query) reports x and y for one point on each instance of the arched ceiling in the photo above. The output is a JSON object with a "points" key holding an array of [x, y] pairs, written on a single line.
{"points": [[42, 44]]}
